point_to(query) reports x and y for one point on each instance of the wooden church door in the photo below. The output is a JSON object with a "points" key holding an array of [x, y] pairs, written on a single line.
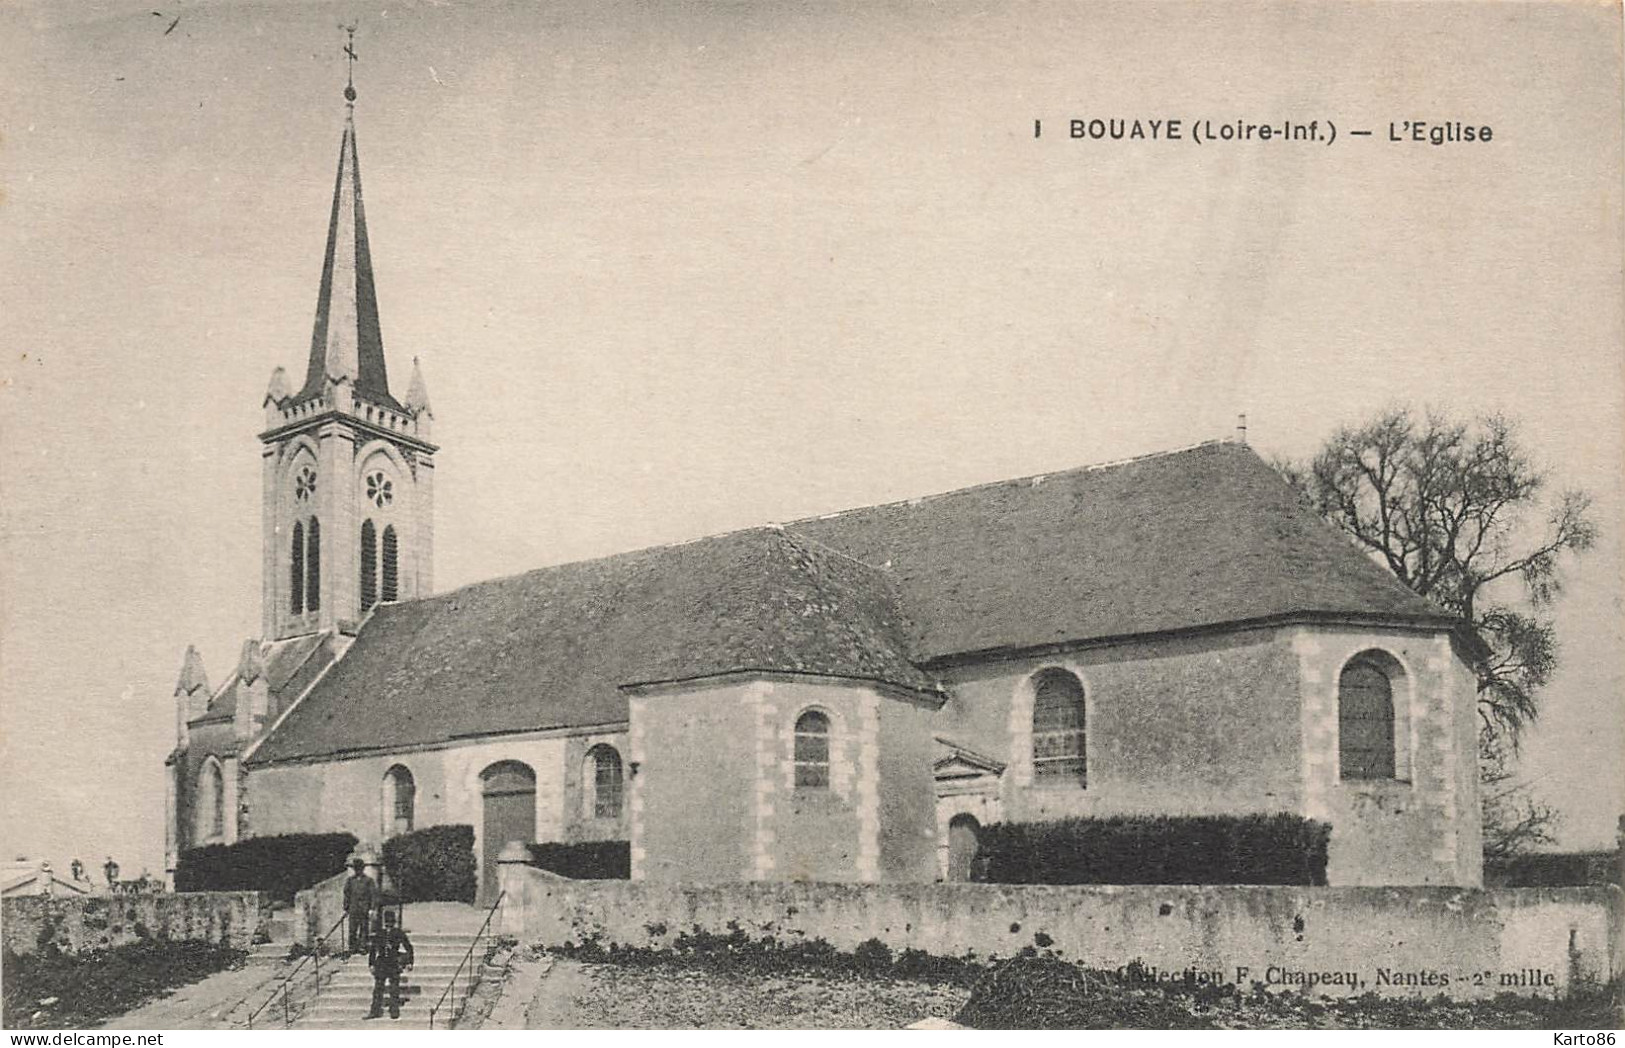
{"points": [[509, 800]]}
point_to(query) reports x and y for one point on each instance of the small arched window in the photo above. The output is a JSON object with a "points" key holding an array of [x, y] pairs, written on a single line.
{"points": [[400, 800], [1059, 756], [313, 566], [391, 575], [369, 565], [603, 783], [1365, 720], [812, 751], [296, 571]]}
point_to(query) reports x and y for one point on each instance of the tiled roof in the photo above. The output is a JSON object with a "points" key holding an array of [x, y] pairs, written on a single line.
{"points": [[289, 667], [551, 648], [1202, 537]]}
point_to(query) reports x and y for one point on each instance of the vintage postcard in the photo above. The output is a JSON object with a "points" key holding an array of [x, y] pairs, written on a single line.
{"points": [[812, 515]]}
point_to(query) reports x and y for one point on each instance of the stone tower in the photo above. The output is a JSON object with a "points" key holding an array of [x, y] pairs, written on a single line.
{"points": [[348, 469]]}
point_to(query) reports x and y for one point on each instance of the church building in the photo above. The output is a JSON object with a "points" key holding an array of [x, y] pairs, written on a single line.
{"points": [[844, 698]]}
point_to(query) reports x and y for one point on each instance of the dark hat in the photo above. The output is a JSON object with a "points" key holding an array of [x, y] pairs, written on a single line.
{"points": [[358, 862]]}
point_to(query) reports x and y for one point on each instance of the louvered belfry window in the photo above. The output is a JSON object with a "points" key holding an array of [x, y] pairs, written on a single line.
{"points": [[1059, 729], [1365, 722], [296, 571], [391, 571], [812, 751], [313, 566], [369, 565]]}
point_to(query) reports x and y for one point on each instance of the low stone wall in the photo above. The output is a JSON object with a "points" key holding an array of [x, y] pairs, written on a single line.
{"points": [[318, 908], [1464, 943], [90, 922]]}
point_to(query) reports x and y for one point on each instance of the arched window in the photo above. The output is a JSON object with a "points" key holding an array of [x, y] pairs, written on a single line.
{"points": [[313, 566], [812, 751], [1365, 720], [390, 574], [369, 566], [296, 571], [211, 801], [1058, 729], [602, 782], [400, 800]]}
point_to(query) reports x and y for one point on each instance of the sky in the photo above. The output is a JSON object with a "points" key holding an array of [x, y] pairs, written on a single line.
{"points": [[673, 269]]}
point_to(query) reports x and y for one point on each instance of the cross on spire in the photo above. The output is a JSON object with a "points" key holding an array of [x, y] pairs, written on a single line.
{"points": [[351, 57]]}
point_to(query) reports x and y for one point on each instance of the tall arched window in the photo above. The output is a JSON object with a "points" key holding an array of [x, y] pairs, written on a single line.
{"points": [[211, 801], [369, 566], [296, 571], [400, 800], [1059, 756], [812, 751], [391, 575], [313, 566], [602, 779], [1365, 720]]}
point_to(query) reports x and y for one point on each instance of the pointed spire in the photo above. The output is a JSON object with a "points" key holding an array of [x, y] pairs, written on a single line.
{"points": [[192, 675], [277, 391], [417, 394], [347, 342], [252, 665]]}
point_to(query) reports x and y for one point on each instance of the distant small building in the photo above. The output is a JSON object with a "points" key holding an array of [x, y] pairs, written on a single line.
{"points": [[22, 877]]}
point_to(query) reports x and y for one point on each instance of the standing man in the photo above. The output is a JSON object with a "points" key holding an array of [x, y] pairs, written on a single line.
{"points": [[391, 951], [359, 895]]}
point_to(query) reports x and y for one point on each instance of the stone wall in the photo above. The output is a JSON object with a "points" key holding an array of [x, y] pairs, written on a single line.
{"points": [[1424, 941], [95, 922], [346, 794], [715, 796], [1182, 726]]}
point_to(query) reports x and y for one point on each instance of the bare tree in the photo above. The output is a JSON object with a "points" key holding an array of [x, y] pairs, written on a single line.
{"points": [[1461, 514], [1514, 822]]}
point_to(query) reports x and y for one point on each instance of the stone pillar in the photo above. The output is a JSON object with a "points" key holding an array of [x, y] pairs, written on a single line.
{"points": [[512, 863]]}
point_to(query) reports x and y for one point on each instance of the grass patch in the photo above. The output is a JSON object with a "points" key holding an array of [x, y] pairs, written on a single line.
{"points": [[55, 990], [737, 953], [1038, 990], [1046, 993]]}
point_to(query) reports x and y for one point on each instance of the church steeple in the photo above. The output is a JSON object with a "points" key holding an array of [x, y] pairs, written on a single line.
{"points": [[348, 470], [347, 342]]}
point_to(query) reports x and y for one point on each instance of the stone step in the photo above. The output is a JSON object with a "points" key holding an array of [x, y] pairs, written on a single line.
{"points": [[382, 1023], [421, 974]]}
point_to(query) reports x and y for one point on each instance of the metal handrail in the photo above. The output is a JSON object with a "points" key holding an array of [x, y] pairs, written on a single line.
{"points": [[283, 988], [468, 956]]}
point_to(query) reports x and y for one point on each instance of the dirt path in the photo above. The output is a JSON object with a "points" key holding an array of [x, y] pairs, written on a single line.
{"points": [[219, 1002]]}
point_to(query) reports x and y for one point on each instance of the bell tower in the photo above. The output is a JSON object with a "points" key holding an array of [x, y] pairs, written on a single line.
{"points": [[348, 470]]}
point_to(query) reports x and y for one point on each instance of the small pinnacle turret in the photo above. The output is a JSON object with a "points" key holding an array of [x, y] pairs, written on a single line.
{"points": [[192, 675], [251, 666], [417, 393], [278, 390]]}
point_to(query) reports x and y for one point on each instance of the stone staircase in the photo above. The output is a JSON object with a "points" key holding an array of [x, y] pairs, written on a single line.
{"points": [[346, 994], [275, 951]]}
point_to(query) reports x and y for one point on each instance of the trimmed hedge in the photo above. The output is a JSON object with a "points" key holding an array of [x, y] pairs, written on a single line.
{"points": [[432, 864], [1204, 849], [1555, 870], [280, 865], [588, 861]]}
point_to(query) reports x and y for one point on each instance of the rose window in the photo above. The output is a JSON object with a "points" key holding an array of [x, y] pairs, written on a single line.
{"points": [[380, 490], [304, 486]]}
